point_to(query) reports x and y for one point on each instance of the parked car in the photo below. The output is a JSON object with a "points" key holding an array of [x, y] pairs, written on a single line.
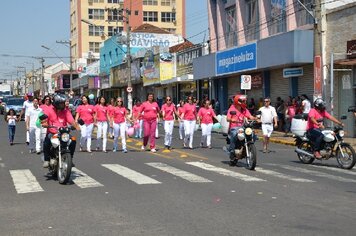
{"points": [[73, 104], [16, 104]]}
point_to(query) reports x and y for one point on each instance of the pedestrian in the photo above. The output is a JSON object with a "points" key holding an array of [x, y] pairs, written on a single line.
{"points": [[268, 120], [118, 123], [205, 118], [46, 106], [35, 132], [289, 115], [189, 116], [11, 120], [217, 106], [137, 117], [102, 119], [305, 106], [150, 110], [110, 109], [181, 122], [252, 106], [168, 113], [27, 104], [86, 112], [281, 110]]}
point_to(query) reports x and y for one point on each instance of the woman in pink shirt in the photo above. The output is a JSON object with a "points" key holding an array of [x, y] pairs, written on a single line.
{"points": [[86, 112], [110, 109], [189, 116], [46, 105], [137, 117], [118, 122], [150, 110], [102, 118], [181, 122], [168, 112], [205, 117]]}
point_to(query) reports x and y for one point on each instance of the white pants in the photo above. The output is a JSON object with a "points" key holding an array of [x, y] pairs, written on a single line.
{"points": [[43, 135], [120, 129], [27, 132], [35, 138], [138, 132], [86, 132], [168, 130], [206, 133], [189, 127], [267, 130], [102, 131], [181, 129], [156, 133]]}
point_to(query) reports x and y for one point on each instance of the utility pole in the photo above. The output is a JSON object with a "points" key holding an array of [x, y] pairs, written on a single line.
{"points": [[42, 91], [128, 55], [68, 43]]}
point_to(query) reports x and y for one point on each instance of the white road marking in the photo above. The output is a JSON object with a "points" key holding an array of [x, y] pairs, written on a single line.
{"points": [[83, 180], [180, 173], [283, 176], [224, 172], [25, 181], [316, 173], [131, 174], [349, 172]]}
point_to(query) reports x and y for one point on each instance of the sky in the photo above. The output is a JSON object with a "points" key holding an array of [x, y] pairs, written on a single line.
{"points": [[28, 24]]}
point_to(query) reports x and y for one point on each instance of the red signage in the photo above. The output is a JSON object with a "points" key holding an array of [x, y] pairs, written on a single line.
{"points": [[318, 85]]}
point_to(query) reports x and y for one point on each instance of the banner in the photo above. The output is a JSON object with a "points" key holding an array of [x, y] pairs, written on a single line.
{"points": [[318, 86], [150, 69]]}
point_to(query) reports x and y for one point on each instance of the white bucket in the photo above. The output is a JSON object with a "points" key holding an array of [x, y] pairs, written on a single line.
{"points": [[299, 126]]}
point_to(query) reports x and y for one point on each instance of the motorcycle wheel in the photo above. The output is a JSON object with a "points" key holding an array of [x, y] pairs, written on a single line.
{"points": [[65, 172], [304, 158], [252, 160], [349, 159]]}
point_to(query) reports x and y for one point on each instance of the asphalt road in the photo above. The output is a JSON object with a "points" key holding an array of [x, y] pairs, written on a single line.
{"points": [[181, 192]]}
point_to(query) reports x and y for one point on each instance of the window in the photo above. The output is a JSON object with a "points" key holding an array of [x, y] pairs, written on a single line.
{"points": [[303, 17], [113, 15], [278, 22], [115, 1], [96, 14], [150, 16], [150, 2], [96, 1], [231, 27], [94, 47], [96, 30], [252, 20], [113, 30], [168, 16], [168, 2]]}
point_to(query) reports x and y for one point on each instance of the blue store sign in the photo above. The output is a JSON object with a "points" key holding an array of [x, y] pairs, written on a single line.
{"points": [[236, 60], [292, 72]]}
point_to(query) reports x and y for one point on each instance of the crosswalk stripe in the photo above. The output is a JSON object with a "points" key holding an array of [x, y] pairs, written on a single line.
{"points": [[25, 181], [83, 180], [131, 174], [283, 176], [180, 173], [224, 172], [349, 172], [316, 173]]}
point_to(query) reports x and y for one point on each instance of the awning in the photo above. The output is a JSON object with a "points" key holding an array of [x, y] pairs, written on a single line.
{"points": [[346, 62]]}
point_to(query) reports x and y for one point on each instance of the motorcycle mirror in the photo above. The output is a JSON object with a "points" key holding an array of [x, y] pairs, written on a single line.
{"points": [[232, 113], [80, 121], [343, 117], [43, 117]]}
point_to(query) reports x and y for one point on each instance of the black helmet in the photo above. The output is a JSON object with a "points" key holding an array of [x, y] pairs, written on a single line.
{"points": [[59, 101], [319, 104]]}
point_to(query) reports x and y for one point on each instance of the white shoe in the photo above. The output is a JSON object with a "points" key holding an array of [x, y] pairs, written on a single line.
{"points": [[143, 148], [45, 164], [153, 150]]}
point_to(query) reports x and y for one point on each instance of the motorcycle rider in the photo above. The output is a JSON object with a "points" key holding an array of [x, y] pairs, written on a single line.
{"points": [[236, 115], [315, 124], [58, 116]]}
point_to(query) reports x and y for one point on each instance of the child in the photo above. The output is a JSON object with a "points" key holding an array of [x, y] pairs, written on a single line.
{"points": [[11, 119]]}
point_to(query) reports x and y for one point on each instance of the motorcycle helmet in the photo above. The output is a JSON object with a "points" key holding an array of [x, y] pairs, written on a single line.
{"points": [[240, 100], [59, 101], [319, 104]]}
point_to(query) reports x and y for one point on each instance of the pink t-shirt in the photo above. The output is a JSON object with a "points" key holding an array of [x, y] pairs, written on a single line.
{"points": [[62, 119], [190, 111], [45, 107], [150, 110], [318, 116], [101, 112], [206, 115], [110, 110], [238, 117], [86, 113], [168, 111], [180, 111], [136, 111], [119, 114]]}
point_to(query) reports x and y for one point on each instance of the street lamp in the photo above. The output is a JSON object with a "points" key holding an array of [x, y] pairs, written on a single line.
{"points": [[69, 45]]}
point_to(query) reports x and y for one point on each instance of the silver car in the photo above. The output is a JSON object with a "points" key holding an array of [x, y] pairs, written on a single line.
{"points": [[14, 103]]}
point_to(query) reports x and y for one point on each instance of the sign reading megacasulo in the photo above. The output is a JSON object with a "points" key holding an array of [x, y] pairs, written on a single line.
{"points": [[236, 59]]}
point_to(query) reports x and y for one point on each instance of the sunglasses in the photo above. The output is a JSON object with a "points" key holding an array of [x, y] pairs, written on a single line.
{"points": [[119, 101], [168, 99]]}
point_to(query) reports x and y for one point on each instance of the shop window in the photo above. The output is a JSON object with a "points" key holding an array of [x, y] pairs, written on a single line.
{"points": [[231, 27]]}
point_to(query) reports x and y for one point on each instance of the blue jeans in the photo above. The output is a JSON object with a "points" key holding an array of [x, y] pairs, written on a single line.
{"points": [[233, 138], [316, 136], [12, 130]]}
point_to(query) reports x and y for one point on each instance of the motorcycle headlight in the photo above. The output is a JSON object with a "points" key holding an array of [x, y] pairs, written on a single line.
{"points": [[65, 137], [248, 131], [241, 136], [341, 133], [55, 142]]}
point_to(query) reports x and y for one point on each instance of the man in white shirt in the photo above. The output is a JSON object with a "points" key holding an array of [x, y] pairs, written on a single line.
{"points": [[25, 108], [306, 106], [268, 120], [34, 131]]}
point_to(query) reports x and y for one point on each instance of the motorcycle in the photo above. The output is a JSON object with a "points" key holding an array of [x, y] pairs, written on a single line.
{"points": [[245, 145], [332, 146]]}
